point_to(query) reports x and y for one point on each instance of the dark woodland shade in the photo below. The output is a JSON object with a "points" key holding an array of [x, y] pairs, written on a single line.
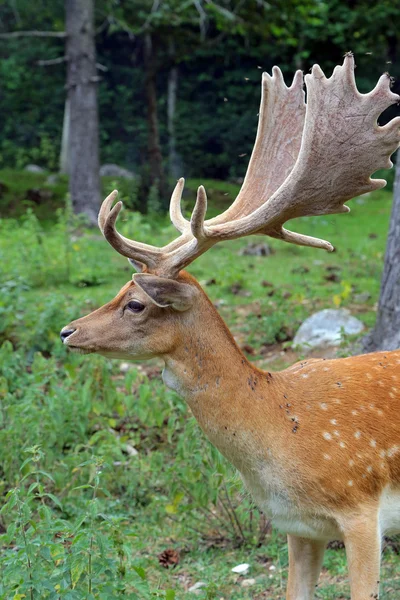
{"points": [[217, 79]]}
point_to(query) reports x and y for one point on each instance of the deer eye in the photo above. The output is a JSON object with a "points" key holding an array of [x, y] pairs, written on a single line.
{"points": [[135, 306]]}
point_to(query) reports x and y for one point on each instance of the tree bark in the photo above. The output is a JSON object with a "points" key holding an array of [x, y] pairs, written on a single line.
{"points": [[64, 153], [173, 160], [386, 333], [84, 180], [156, 170]]}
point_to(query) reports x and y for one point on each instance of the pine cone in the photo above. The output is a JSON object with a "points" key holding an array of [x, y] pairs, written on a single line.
{"points": [[169, 558]]}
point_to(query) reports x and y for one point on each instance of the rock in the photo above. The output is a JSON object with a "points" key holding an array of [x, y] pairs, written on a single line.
{"points": [[362, 297], [112, 170], [34, 169], [53, 179], [324, 328], [197, 586], [248, 582], [255, 249], [130, 450], [241, 569]]}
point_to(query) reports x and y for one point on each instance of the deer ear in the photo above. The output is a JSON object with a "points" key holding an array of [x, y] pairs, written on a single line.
{"points": [[138, 266], [166, 292]]}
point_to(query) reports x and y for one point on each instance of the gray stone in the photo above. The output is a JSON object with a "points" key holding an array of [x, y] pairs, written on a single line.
{"points": [[53, 179], [241, 569], [248, 582], [362, 297], [112, 170], [325, 327], [197, 586], [254, 249], [34, 169]]}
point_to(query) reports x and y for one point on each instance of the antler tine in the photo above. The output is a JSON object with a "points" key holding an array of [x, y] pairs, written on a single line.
{"points": [[298, 80], [175, 212], [105, 209], [143, 253], [304, 240], [198, 215]]}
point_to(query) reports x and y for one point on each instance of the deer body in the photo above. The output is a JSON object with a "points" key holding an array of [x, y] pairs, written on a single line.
{"points": [[304, 458], [317, 445]]}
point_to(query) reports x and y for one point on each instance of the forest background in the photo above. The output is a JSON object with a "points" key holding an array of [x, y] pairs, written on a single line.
{"points": [[205, 60]]}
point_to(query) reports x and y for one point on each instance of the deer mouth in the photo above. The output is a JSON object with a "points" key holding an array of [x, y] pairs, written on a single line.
{"points": [[78, 350]]}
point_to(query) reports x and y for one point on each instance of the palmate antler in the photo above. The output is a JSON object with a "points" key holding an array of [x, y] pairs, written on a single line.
{"points": [[307, 160]]}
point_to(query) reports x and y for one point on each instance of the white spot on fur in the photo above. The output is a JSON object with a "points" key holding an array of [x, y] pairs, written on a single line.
{"points": [[351, 463], [392, 451], [334, 421], [324, 406], [354, 412], [342, 444], [327, 435], [326, 456], [357, 435], [373, 443], [350, 483]]}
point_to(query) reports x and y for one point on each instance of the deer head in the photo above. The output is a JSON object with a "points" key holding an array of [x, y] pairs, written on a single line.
{"points": [[307, 160], [147, 318]]}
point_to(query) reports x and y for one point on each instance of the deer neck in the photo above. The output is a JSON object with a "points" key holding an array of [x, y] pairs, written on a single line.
{"points": [[221, 387]]}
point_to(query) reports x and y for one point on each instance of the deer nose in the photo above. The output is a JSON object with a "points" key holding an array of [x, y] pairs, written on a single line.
{"points": [[64, 333]]}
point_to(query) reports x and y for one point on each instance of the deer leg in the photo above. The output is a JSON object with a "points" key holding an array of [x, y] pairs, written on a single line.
{"points": [[363, 550], [305, 561]]}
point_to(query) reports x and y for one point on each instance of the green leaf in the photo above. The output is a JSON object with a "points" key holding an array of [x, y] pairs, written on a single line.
{"points": [[54, 499], [141, 572]]}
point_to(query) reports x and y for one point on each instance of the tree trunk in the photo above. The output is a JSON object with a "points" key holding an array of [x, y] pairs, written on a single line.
{"points": [[84, 180], [156, 176], [386, 333], [64, 153], [173, 160]]}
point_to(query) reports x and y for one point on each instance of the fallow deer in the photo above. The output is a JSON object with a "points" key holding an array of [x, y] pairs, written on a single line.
{"points": [[317, 445]]}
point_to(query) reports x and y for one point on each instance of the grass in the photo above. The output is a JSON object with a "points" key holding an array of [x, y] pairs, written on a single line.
{"points": [[103, 469]]}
